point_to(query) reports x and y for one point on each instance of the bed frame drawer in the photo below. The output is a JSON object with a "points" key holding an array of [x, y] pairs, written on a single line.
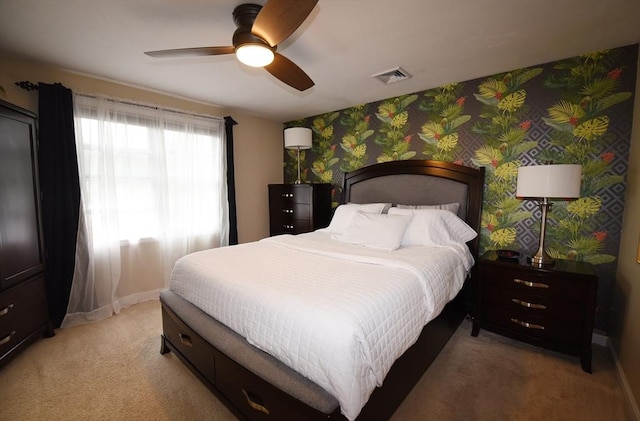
{"points": [[189, 344], [255, 398]]}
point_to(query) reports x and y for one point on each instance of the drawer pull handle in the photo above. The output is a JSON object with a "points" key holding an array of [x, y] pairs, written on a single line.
{"points": [[7, 338], [527, 325], [287, 194], [186, 340], [529, 305], [287, 210], [6, 309], [289, 227], [251, 398], [530, 284]]}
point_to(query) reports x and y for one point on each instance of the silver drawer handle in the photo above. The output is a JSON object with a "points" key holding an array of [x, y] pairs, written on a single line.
{"points": [[527, 325], [287, 194], [7, 338], [288, 227], [529, 305], [530, 284], [287, 210], [253, 404], [6, 309]]}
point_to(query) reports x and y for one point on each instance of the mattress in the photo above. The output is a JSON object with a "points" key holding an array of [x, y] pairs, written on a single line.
{"points": [[339, 314]]}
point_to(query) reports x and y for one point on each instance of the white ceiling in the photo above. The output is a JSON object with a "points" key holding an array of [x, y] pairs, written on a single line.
{"points": [[340, 45]]}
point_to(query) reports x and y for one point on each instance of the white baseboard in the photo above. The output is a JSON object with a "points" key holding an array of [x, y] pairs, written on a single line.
{"points": [[603, 340]]}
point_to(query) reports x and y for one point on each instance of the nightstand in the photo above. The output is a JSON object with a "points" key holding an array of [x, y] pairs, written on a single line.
{"points": [[298, 208], [551, 306]]}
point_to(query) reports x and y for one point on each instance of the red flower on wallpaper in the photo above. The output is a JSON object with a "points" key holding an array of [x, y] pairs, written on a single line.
{"points": [[498, 95], [494, 163], [608, 156], [407, 138], [460, 101], [573, 120], [458, 162], [525, 125], [615, 73], [600, 235]]}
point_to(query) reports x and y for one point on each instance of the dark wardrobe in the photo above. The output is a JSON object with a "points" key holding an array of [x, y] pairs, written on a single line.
{"points": [[23, 306]]}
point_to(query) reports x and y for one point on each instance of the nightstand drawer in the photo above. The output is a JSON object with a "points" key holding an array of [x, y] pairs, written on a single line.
{"points": [[535, 305], [534, 283], [540, 327]]}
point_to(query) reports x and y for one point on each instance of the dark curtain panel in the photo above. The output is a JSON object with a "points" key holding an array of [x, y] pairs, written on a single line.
{"points": [[231, 182], [60, 186]]}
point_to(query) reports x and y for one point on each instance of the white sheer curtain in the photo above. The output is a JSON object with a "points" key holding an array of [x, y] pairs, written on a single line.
{"points": [[153, 188]]}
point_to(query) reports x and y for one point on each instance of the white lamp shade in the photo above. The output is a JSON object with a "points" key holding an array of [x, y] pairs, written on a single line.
{"points": [[559, 181], [297, 137]]}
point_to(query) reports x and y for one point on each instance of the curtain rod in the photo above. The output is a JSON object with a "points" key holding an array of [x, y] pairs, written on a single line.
{"points": [[30, 86]]}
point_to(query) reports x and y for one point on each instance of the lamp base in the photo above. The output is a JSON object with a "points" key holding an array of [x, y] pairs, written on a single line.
{"points": [[540, 261]]}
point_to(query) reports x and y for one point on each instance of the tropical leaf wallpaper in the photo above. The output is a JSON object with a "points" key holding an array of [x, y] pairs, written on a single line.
{"points": [[573, 111]]}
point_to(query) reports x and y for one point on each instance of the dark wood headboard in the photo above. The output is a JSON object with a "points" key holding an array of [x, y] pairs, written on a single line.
{"points": [[420, 182]]}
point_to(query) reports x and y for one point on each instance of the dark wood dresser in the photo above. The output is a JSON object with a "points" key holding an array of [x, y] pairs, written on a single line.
{"points": [[23, 306], [551, 306], [298, 208]]}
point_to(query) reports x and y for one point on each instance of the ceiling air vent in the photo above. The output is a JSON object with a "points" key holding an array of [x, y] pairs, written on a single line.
{"points": [[391, 76]]}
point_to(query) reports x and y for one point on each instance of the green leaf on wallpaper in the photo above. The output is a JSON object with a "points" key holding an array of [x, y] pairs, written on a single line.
{"points": [[565, 112], [513, 135], [364, 135], [604, 182], [457, 122], [591, 129], [599, 259], [492, 88], [523, 147], [508, 170], [487, 101], [428, 139], [564, 127], [599, 88], [513, 102], [585, 207], [486, 155], [431, 130], [451, 112], [509, 204], [610, 101], [407, 155], [526, 76], [407, 101]]}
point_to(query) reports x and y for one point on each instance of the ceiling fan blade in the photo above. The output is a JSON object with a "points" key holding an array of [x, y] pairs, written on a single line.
{"points": [[193, 52], [288, 72], [280, 18]]}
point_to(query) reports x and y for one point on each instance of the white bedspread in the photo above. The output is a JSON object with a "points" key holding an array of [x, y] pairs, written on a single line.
{"points": [[339, 314]]}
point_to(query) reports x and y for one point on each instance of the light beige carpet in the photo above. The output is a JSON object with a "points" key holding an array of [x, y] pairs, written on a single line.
{"points": [[112, 370]]}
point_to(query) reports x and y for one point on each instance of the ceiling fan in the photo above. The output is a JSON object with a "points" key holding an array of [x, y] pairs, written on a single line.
{"points": [[260, 30]]}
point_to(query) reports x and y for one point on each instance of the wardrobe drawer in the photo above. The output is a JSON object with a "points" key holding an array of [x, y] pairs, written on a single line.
{"points": [[23, 310], [189, 344], [255, 398]]}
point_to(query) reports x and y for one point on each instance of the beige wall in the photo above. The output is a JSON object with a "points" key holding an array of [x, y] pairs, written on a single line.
{"points": [[258, 142], [626, 321]]}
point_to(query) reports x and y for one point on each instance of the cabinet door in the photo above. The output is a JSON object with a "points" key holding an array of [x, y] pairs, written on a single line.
{"points": [[21, 253]]}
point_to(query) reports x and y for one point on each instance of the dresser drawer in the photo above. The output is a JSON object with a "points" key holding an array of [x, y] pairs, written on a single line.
{"points": [[255, 398], [23, 310], [189, 344], [535, 305], [535, 283], [540, 327]]}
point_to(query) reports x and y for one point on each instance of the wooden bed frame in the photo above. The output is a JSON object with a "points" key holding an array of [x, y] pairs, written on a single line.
{"points": [[256, 386]]}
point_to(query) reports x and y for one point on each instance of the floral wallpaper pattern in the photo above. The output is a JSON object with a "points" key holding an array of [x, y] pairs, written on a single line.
{"points": [[573, 111]]}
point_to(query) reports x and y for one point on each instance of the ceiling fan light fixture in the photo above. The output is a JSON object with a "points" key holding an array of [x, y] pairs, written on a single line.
{"points": [[255, 55]]}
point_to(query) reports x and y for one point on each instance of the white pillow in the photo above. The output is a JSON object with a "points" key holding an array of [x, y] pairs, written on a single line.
{"points": [[344, 213], [453, 207], [434, 227], [380, 231]]}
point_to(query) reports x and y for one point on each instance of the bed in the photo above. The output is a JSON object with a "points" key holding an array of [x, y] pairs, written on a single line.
{"points": [[227, 352]]}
